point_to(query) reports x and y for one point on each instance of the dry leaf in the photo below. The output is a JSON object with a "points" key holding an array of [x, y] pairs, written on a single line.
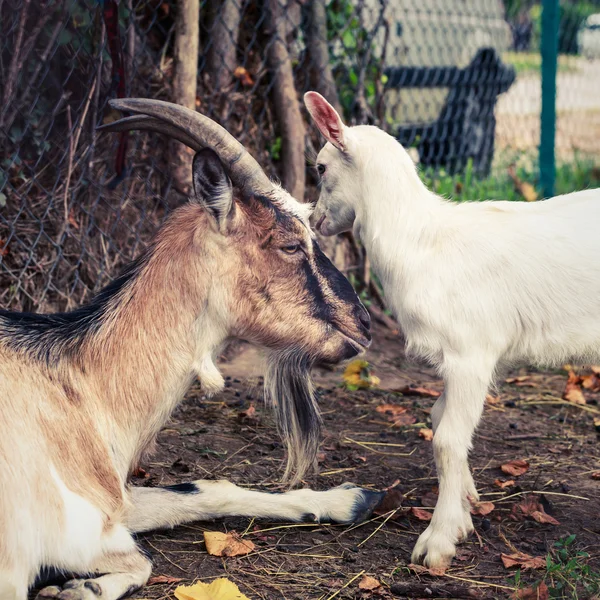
{"points": [[403, 420], [391, 409], [515, 467], [523, 561], [418, 391], [542, 517], [591, 382], [539, 592], [157, 579], [504, 484], [421, 514], [521, 380], [242, 74], [522, 187], [482, 508], [357, 376], [391, 501], [528, 505], [249, 414], [219, 589], [573, 394], [532, 507], [595, 475], [421, 570], [426, 434], [369, 583], [226, 544], [492, 399]]}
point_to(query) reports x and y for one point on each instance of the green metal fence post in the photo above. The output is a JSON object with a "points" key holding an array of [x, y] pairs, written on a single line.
{"points": [[549, 50]]}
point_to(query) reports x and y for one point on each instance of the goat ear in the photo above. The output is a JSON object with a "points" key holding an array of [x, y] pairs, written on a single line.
{"points": [[326, 119], [212, 187]]}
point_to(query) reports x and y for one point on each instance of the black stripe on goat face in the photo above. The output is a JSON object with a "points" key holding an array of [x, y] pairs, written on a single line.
{"points": [[335, 300], [339, 285]]}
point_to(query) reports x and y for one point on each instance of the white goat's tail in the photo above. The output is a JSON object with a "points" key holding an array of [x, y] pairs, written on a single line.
{"points": [[289, 389]]}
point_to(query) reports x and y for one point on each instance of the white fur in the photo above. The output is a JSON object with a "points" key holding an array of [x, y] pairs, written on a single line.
{"points": [[473, 286]]}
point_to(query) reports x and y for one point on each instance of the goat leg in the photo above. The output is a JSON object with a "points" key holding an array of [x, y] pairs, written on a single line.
{"points": [[160, 508]]}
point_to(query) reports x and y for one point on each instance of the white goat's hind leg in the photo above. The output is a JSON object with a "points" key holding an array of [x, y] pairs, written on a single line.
{"points": [[464, 398], [469, 489], [159, 508]]}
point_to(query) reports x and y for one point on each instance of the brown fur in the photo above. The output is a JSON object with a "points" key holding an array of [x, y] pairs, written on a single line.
{"points": [[91, 413]]}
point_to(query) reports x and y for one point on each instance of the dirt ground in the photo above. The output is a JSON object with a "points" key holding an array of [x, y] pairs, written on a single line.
{"points": [[210, 438]]}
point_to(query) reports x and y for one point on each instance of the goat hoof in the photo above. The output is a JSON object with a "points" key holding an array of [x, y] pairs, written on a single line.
{"points": [[434, 549], [365, 504], [75, 589], [48, 592]]}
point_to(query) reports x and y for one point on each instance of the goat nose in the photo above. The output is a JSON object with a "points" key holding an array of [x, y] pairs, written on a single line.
{"points": [[364, 318]]}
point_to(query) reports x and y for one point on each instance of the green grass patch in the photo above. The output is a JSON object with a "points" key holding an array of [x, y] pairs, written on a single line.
{"points": [[567, 573], [578, 175], [526, 63]]}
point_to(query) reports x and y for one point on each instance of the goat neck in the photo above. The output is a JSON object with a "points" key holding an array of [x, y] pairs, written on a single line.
{"points": [[162, 329], [394, 209]]}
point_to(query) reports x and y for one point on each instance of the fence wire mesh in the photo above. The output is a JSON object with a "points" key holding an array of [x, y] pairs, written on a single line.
{"points": [[456, 80]]}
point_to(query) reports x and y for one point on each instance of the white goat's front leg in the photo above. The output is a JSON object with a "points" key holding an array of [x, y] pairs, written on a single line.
{"points": [[159, 508], [123, 569], [469, 489], [465, 387]]}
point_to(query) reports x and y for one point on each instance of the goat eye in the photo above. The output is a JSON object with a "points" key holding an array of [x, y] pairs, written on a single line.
{"points": [[321, 169], [291, 249]]}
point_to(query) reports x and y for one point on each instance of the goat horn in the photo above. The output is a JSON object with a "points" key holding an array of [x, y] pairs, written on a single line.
{"points": [[188, 126], [146, 123]]}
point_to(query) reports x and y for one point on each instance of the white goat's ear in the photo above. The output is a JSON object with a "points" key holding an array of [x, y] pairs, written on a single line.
{"points": [[326, 119], [212, 187]]}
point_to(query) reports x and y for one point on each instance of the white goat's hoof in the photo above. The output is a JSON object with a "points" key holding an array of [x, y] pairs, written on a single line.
{"points": [[75, 589], [434, 549]]}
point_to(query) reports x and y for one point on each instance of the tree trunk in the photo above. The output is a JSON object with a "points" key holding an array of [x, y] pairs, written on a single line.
{"points": [[221, 59], [187, 37], [321, 76], [287, 107]]}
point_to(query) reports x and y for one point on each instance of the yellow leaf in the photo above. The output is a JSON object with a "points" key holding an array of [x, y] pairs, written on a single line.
{"points": [[358, 376], [219, 589], [528, 192], [426, 434], [226, 544]]}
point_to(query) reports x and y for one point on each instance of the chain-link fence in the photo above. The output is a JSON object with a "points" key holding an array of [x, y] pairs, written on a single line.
{"points": [[457, 80]]}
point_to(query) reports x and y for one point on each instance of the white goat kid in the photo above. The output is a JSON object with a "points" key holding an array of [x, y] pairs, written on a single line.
{"points": [[84, 394], [473, 286]]}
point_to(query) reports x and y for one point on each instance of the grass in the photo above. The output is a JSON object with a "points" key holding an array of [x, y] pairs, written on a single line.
{"points": [[567, 572], [527, 63], [570, 177]]}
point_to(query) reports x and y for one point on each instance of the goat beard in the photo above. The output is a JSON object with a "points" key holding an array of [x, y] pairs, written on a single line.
{"points": [[289, 389]]}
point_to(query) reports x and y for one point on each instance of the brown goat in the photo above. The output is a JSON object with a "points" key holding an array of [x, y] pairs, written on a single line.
{"points": [[84, 394]]}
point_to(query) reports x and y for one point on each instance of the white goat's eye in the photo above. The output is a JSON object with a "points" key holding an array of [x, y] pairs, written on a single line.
{"points": [[321, 169], [292, 249]]}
